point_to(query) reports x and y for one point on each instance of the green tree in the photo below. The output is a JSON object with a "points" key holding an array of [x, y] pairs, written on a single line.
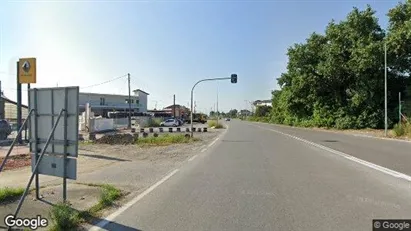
{"points": [[262, 111]]}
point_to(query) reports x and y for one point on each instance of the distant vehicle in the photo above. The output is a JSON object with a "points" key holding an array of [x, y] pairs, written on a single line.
{"points": [[169, 123], [227, 119], [5, 129]]}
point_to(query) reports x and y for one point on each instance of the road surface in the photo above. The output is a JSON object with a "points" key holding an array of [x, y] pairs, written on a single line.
{"points": [[266, 177]]}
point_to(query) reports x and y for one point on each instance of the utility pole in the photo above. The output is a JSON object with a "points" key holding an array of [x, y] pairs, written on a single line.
{"points": [[174, 106], [385, 85], [1, 104], [218, 114], [129, 101], [399, 107]]}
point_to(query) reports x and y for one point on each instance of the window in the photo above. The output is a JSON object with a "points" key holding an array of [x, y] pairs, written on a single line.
{"points": [[137, 101], [102, 101]]}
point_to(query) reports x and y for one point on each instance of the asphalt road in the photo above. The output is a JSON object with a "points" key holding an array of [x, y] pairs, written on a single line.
{"points": [[256, 177]]}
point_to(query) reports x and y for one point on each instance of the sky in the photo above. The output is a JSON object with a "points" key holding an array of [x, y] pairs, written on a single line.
{"points": [[166, 46]]}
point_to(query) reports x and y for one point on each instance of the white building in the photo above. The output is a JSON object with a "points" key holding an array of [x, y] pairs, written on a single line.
{"points": [[101, 104], [262, 103]]}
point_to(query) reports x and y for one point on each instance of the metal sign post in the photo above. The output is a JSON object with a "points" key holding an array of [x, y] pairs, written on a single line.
{"points": [[60, 157]]}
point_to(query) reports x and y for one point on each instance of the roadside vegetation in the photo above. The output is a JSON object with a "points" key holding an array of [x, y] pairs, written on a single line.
{"points": [[65, 217], [154, 122], [213, 123], [165, 139], [10, 194], [338, 83]]}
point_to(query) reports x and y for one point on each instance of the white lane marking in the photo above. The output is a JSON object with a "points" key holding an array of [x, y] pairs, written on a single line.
{"points": [[338, 132], [112, 216], [192, 158], [213, 142], [349, 157], [203, 150]]}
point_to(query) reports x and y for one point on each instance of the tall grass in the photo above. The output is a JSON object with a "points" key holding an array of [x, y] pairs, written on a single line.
{"points": [[213, 123], [165, 139], [402, 129], [8, 194]]}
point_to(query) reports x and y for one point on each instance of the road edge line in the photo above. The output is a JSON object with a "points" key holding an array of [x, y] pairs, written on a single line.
{"points": [[112, 216], [335, 132], [349, 157]]}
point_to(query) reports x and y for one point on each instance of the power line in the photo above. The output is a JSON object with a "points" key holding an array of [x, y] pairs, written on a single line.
{"points": [[108, 81]]}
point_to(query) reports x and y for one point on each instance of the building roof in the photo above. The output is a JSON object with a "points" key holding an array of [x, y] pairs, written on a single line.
{"points": [[11, 101], [177, 106], [141, 91]]}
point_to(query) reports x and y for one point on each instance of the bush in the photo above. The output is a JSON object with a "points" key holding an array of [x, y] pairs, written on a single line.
{"points": [[154, 122], [399, 130]]}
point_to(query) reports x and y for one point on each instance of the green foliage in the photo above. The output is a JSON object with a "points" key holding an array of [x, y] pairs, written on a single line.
{"points": [[154, 122], [336, 79], [165, 139], [9, 194], [64, 217], [262, 111], [213, 123]]}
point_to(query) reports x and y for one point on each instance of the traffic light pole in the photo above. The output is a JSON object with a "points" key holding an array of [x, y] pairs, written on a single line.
{"points": [[233, 80]]}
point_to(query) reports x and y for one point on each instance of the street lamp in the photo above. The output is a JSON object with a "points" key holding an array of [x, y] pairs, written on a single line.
{"points": [[233, 79]]}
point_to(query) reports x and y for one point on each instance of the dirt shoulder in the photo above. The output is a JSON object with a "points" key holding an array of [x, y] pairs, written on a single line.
{"points": [[131, 168]]}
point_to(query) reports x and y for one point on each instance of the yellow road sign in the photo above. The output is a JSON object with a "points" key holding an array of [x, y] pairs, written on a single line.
{"points": [[27, 70]]}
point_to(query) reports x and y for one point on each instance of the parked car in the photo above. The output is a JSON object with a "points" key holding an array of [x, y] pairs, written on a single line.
{"points": [[5, 129], [227, 119], [169, 123]]}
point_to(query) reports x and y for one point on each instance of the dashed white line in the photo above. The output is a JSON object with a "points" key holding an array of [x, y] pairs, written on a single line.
{"points": [[192, 158], [203, 150], [349, 157], [112, 216]]}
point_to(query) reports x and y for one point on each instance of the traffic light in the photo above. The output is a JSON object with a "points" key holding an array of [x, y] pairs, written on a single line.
{"points": [[234, 78]]}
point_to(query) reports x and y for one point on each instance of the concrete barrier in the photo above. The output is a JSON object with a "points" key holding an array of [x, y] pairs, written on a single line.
{"points": [[133, 130], [141, 130], [187, 129], [194, 129], [199, 129], [155, 134], [204, 129], [170, 129], [161, 129], [151, 130], [145, 134], [178, 129]]}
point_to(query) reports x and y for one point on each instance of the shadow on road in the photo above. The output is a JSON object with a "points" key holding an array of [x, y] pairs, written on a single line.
{"points": [[330, 141], [113, 226], [104, 157]]}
